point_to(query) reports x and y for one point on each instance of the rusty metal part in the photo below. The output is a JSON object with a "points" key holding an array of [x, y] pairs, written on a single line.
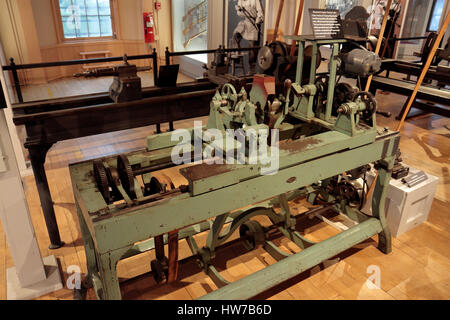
{"points": [[369, 101], [253, 233], [102, 180], [126, 175]]}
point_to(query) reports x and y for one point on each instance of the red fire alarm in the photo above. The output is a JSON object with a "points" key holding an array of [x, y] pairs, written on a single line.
{"points": [[157, 5]]}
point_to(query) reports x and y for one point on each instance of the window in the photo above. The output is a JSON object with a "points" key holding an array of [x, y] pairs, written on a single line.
{"points": [[436, 13], [86, 18]]}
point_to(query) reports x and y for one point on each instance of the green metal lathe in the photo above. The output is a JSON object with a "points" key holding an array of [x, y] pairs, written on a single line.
{"points": [[327, 138]]}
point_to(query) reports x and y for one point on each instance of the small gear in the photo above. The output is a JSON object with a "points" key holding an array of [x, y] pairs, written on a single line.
{"points": [[370, 102]]}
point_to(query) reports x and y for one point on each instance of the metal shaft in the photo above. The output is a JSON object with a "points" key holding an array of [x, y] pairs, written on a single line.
{"points": [[281, 271]]}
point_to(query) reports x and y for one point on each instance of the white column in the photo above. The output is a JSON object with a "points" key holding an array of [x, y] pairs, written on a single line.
{"points": [[30, 277]]}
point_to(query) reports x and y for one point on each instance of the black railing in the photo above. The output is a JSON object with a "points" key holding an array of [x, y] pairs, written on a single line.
{"points": [[221, 49], [14, 67]]}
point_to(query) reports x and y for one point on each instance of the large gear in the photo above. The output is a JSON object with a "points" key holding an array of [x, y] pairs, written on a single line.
{"points": [[114, 182], [102, 180], [126, 175]]}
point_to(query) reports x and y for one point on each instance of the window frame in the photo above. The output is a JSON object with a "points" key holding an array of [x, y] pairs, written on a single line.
{"points": [[431, 17], [60, 29]]}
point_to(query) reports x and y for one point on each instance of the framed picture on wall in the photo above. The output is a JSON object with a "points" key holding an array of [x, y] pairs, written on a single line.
{"points": [[190, 26], [245, 25]]}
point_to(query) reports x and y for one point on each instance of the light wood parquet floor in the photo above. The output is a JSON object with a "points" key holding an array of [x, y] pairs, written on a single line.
{"points": [[418, 267]]}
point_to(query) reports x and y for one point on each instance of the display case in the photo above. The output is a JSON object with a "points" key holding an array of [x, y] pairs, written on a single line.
{"points": [[190, 27]]}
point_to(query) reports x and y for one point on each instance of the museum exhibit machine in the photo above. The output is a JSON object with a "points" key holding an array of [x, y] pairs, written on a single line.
{"points": [[328, 139]]}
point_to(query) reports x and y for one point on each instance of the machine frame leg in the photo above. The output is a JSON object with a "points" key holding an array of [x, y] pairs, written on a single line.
{"points": [[107, 263], [378, 205], [89, 249], [37, 158]]}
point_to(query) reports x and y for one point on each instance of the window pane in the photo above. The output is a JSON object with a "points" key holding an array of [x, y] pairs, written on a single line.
{"points": [[103, 6], [78, 7], [105, 25], [94, 26], [436, 15], [68, 23], [82, 26], [92, 9], [86, 18]]}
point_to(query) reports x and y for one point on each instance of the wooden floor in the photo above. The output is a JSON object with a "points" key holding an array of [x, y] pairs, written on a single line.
{"points": [[418, 267]]}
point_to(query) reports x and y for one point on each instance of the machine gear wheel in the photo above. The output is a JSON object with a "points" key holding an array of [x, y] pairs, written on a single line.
{"points": [[126, 175], [102, 181]]}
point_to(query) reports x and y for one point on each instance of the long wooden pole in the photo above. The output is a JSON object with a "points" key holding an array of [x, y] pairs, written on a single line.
{"points": [[277, 24], [297, 28], [391, 30], [380, 38], [425, 70], [297, 24]]}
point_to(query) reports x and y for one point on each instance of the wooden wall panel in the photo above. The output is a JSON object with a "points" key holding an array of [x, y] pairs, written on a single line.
{"points": [[71, 51]]}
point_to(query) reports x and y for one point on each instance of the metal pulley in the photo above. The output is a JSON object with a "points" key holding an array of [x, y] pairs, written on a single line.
{"points": [[275, 59], [371, 104], [265, 58], [268, 55]]}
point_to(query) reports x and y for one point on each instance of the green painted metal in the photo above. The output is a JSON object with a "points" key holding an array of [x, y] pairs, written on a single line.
{"points": [[223, 199], [332, 81], [295, 264]]}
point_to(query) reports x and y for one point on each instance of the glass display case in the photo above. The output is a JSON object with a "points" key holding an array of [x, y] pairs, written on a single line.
{"points": [[190, 27]]}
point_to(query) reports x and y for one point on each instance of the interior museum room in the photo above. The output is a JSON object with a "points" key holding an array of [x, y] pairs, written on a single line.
{"points": [[225, 150]]}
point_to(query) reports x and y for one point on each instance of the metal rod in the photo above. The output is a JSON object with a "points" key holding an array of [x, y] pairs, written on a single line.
{"points": [[16, 79], [184, 53], [155, 67], [112, 59], [167, 52], [297, 263], [75, 62]]}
